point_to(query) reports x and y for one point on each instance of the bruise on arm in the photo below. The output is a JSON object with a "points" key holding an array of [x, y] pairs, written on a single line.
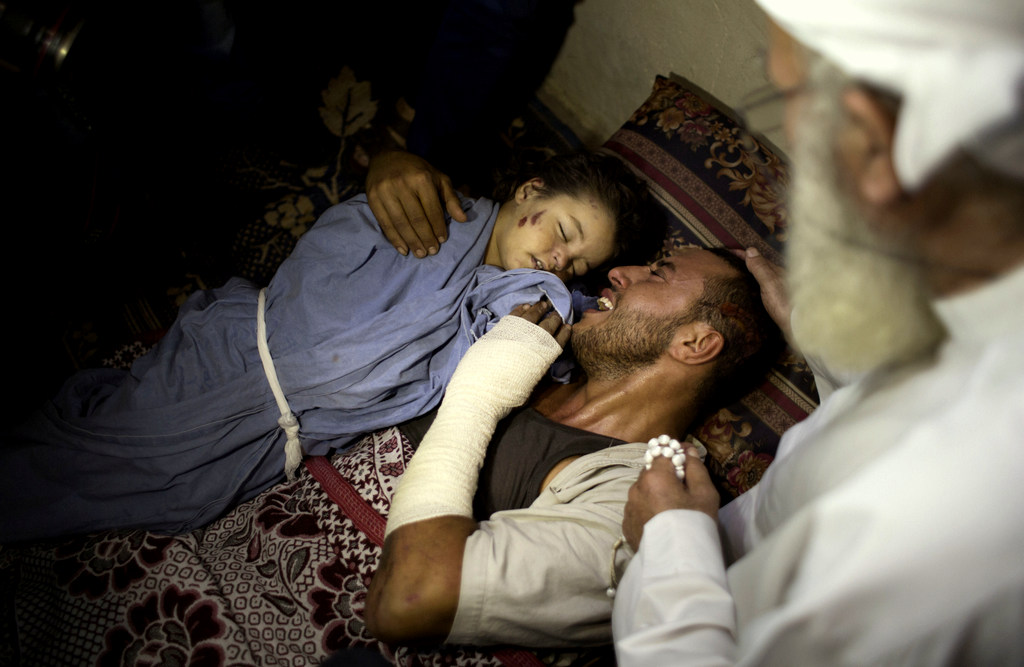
{"points": [[414, 594]]}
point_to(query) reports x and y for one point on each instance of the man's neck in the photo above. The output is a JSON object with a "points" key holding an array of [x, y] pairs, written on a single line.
{"points": [[636, 408]]}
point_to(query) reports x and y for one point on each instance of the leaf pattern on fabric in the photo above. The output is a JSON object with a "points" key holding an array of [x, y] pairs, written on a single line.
{"points": [[348, 106]]}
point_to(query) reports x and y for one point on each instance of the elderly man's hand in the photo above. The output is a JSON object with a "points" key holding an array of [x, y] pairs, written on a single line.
{"points": [[548, 319], [772, 279], [658, 490], [405, 193]]}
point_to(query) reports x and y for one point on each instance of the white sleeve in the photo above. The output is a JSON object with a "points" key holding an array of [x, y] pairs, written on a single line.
{"points": [[871, 573], [673, 606]]}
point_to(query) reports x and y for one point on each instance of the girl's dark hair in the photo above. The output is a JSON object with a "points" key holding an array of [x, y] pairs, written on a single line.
{"points": [[639, 229]]}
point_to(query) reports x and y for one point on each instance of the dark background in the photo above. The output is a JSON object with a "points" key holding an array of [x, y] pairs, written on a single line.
{"points": [[120, 156]]}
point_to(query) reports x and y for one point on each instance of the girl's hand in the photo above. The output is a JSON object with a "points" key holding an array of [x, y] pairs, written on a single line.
{"points": [[542, 314]]}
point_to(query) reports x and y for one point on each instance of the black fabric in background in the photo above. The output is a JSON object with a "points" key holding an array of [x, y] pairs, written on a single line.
{"points": [[123, 170]]}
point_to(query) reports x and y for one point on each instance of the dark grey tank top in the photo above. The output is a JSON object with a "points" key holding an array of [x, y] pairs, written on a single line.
{"points": [[525, 447]]}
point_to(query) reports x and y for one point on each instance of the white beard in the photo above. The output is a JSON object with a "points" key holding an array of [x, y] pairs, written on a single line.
{"points": [[855, 306]]}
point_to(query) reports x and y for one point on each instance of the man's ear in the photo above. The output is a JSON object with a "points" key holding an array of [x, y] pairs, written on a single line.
{"points": [[529, 189], [696, 343], [873, 125]]}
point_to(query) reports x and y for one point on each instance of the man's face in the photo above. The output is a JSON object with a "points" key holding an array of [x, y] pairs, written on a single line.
{"points": [[649, 303], [858, 303], [666, 287]]}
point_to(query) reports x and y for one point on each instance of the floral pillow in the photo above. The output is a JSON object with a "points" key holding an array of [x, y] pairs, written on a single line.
{"points": [[718, 186]]}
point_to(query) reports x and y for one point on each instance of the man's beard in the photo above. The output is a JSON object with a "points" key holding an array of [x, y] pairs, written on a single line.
{"points": [[624, 343], [857, 305]]}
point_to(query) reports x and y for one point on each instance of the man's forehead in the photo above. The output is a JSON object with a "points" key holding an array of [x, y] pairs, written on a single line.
{"points": [[689, 263]]}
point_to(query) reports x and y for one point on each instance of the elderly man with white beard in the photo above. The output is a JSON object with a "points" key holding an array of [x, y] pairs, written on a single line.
{"points": [[887, 530]]}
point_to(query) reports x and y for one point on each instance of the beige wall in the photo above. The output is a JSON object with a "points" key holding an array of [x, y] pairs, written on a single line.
{"points": [[616, 47]]}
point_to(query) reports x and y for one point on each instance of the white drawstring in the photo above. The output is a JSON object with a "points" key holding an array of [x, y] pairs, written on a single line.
{"points": [[288, 421], [613, 579]]}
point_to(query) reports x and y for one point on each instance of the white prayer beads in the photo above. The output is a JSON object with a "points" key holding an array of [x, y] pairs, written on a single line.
{"points": [[668, 447]]}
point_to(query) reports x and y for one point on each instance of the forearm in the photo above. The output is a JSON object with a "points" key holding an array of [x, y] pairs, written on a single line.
{"points": [[415, 591]]}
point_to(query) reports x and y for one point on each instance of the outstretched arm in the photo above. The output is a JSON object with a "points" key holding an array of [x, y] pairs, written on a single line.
{"points": [[415, 592], [405, 193]]}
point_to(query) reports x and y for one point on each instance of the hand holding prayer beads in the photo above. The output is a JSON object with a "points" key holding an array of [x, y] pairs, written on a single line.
{"points": [[661, 446], [668, 447]]}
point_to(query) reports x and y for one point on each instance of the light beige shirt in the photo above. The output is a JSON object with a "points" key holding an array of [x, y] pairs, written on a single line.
{"points": [[539, 576]]}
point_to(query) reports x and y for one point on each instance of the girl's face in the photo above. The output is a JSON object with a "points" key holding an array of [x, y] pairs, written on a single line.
{"points": [[562, 234]]}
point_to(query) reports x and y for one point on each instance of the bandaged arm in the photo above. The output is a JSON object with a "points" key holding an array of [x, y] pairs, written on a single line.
{"points": [[414, 593]]}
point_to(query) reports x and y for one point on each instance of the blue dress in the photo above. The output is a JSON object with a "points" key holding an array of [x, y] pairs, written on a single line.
{"points": [[362, 338]]}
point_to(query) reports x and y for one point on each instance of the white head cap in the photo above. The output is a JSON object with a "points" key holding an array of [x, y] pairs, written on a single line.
{"points": [[957, 65]]}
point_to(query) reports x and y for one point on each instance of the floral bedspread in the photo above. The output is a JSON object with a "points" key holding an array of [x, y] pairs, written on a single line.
{"points": [[281, 580]]}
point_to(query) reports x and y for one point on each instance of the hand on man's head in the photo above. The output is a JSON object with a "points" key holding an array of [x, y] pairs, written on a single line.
{"points": [[772, 279]]}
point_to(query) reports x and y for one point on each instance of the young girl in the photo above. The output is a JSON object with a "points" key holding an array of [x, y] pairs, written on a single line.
{"points": [[348, 337]]}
